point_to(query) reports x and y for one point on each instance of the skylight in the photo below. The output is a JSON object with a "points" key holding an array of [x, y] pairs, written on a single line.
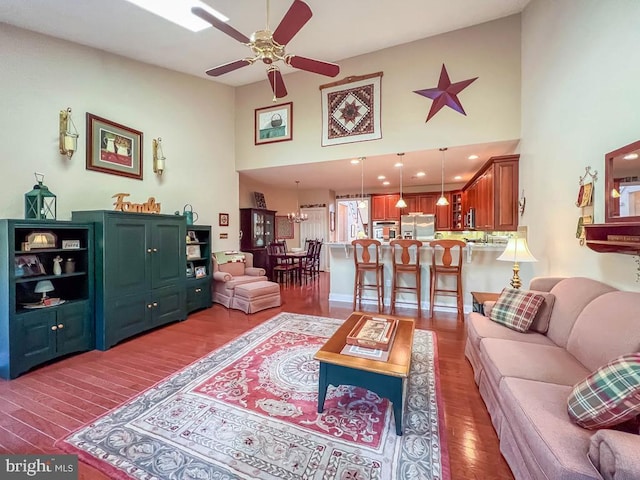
{"points": [[179, 12]]}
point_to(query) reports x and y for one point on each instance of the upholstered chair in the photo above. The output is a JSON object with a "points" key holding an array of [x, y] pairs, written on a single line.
{"points": [[227, 276]]}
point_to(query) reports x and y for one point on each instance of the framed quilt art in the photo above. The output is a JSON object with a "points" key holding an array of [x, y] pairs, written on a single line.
{"points": [[351, 110]]}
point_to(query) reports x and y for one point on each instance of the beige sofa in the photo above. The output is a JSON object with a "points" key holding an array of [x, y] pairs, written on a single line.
{"points": [[228, 276], [526, 378]]}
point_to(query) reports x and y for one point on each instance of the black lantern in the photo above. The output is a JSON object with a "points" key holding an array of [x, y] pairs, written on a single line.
{"points": [[40, 203]]}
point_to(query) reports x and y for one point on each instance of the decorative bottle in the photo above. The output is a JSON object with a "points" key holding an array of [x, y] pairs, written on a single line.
{"points": [[70, 265]]}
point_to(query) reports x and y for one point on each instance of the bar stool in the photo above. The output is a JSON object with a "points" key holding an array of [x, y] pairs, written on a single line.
{"points": [[448, 266], [364, 263], [402, 252]]}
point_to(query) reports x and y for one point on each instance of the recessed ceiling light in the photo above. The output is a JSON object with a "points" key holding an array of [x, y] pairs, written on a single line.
{"points": [[472, 157], [631, 156], [381, 177], [457, 177], [386, 182], [180, 12], [420, 174], [355, 161], [398, 164]]}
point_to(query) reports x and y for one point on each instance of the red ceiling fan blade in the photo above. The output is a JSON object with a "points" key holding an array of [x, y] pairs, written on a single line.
{"points": [[227, 67], [315, 66], [277, 83], [298, 14], [220, 25]]}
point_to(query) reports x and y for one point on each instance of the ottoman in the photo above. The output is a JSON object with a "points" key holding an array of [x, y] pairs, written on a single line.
{"points": [[255, 296]]}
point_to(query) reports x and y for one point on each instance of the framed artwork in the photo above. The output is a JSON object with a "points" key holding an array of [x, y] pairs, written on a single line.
{"points": [[585, 195], [274, 124], [351, 110], [193, 252], [223, 219], [28, 266], [192, 237], [259, 199], [201, 272], [113, 148], [284, 228]]}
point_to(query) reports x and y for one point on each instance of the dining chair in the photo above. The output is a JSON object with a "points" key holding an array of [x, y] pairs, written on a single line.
{"points": [[282, 268]]}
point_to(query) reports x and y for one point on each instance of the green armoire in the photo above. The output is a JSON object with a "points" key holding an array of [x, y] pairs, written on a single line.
{"points": [[140, 279]]}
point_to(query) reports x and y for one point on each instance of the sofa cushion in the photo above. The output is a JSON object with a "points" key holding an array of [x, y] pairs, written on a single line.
{"points": [[242, 279], [538, 423], [479, 327], [609, 326], [516, 309], [609, 396], [233, 268], [572, 295], [543, 363]]}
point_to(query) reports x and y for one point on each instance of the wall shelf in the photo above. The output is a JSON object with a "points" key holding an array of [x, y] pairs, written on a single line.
{"points": [[614, 237]]}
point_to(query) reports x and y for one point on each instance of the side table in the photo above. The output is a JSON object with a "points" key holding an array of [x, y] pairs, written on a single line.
{"points": [[480, 297]]}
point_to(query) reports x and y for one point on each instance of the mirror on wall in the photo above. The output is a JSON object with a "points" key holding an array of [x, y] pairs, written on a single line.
{"points": [[622, 178]]}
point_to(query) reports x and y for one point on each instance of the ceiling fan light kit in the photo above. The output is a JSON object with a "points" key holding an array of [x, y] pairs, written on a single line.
{"points": [[269, 47]]}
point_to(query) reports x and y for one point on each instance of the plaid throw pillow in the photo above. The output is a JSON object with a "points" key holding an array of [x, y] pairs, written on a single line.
{"points": [[516, 309], [609, 396]]}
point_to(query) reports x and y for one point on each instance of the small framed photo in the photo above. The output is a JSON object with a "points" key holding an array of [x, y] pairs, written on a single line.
{"points": [[193, 252], [28, 266], [201, 272], [274, 124], [192, 237], [223, 219], [70, 244], [190, 270], [113, 148]]}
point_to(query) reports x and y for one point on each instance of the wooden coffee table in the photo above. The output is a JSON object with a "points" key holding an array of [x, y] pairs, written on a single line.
{"points": [[388, 379]]}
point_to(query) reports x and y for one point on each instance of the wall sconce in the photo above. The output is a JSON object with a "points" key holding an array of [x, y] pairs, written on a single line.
{"points": [[68, 138], [158, 156]]}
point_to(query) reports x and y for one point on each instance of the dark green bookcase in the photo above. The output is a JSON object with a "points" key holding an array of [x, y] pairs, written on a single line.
{"points": [[31, 334], [198, 267], [140, 276]]}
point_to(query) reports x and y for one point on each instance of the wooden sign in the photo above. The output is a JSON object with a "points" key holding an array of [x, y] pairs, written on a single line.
{"points": [[120, 205]]}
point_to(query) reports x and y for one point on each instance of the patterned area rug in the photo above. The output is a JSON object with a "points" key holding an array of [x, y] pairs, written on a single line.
{"points": [[248, 411]]}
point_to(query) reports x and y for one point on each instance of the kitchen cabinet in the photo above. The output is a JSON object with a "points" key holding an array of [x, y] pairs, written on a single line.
{"points": [[198, 264], [258, 230], [30, 332], [493, 194], [456, 210], [383, 207], [139, 271]]}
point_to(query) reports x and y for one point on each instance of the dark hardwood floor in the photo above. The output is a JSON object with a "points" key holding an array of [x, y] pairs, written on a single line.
{"points": [[49, 402]]}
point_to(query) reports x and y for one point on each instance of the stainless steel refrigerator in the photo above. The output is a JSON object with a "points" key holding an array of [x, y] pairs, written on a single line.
{"points": [[419, 227]]}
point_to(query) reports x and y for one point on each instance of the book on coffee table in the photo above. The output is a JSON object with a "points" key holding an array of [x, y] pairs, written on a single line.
{"points": [[373, 332]]}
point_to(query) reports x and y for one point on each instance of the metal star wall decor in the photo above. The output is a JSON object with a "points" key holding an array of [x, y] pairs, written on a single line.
{"points": [[445, 94]]}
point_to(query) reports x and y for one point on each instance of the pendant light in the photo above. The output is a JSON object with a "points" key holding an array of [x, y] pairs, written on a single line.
{"points": [[297, 217], [442, 201], [401, 203], [362, 204]]}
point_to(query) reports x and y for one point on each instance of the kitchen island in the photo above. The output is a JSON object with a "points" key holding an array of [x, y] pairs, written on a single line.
{"points": [[480, 272]]}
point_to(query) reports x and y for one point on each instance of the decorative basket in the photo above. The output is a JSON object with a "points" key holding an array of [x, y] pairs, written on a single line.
{"points": [[276, 120]]}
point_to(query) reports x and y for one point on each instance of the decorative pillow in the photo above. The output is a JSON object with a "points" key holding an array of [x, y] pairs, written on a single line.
{"points": [[609, 396], [541, 320], [516, 309]]}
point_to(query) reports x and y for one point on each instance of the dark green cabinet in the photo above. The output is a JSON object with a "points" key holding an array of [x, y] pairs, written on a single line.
{"points": [[140, 272], [198, 258], [32, 333]]}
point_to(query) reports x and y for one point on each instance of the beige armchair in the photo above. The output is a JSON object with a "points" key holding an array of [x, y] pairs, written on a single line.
{"points": [[228, 275]]}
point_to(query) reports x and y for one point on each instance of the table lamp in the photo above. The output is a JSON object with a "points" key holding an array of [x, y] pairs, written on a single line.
{"points": [[43, 287], [516, 251]]}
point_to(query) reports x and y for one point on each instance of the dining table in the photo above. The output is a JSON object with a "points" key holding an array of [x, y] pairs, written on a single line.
{"points": [[296, 257]]}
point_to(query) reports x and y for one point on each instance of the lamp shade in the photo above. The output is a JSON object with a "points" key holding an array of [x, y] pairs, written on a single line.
{"points": [[517, 251], [44, 286]]}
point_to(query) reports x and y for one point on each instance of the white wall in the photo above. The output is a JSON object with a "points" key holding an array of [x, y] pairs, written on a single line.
{"points": [[490, 51], [41, 75], [580, 99]]}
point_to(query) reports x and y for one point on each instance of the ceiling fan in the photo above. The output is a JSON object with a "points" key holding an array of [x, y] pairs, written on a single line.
{"points": [[270, 46]]}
